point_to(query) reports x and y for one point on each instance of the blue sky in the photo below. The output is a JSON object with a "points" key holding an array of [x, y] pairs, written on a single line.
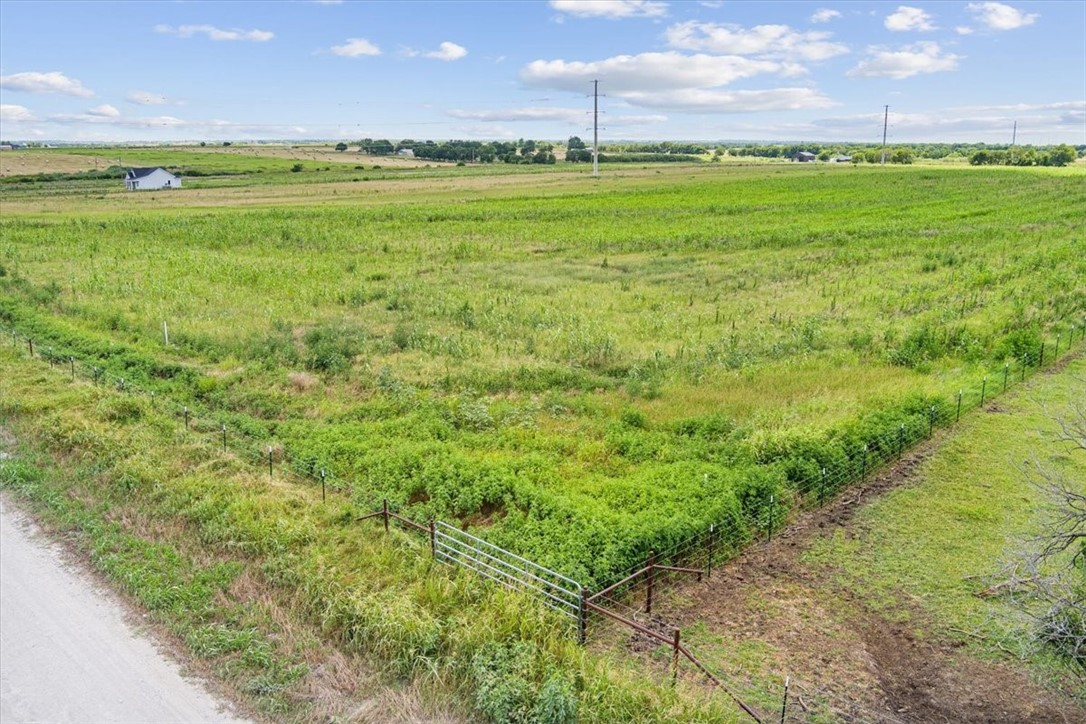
{"points": [[820, 71]]}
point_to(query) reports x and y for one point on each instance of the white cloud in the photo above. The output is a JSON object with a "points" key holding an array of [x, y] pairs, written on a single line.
{"points": [[906, 19], [574, 116], [712, 4], [650, 71], [702, 100], [104, 111], [146, 98], [964, 30], [824, 15], [102, 117], [774, 41], [676, 82], [213, 33], [921, 58], [447, 52], [52, 82], [997, 16], [522, 114], [612, 9], [327, 2], [355, 47], [1079, 106], [12, 113]]}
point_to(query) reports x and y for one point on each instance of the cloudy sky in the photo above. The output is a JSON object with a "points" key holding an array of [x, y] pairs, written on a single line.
{"points": [[950, 71]]}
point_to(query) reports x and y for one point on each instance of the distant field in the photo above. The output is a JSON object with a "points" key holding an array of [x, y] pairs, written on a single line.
{"points": [[581, 370], [205, 160]]}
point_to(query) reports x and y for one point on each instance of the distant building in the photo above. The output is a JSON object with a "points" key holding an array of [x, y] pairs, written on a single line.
{"points": [[841, 158], [146, 179], [6, 147], [804, 157], [407, 152]]}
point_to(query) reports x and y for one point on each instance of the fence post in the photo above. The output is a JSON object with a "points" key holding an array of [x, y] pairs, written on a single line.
{"points": [[709, 564], [1025, 363], [675, 658], [224, 438], [324, 493], [648, 581], [582, 615], [433, 542], [97, 372], [384, 510], [1006, 371], [983, 389], [71, 361], [958, 416], [270, 470], [784, 702], [822, 489], [863, 471], [901, 440], [186, 417], [931, 420], [30, 344], [772, 510], [1041, 363]]}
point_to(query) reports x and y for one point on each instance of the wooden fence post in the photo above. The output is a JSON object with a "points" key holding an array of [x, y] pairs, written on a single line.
{"points": [[675, 658], [384, 510], [650, 575]]}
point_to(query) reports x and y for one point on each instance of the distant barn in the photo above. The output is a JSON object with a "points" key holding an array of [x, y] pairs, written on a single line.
{"points": [[804, 157], [145, 179]]}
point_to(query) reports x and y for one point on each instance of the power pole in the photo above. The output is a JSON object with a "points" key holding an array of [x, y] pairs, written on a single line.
{"points": [[595, 128], [1014, 137], [885, 120]]}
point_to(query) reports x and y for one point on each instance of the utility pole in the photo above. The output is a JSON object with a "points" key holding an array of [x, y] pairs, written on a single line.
{"points": [[885, 120], [1014, 137], [595, 128]]}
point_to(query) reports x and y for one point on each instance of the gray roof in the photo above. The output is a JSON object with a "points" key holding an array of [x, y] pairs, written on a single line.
{"points": [[134, 173]]}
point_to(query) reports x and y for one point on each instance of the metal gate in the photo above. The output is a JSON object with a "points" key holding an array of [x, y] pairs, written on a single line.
{"points": [[453, 545]]}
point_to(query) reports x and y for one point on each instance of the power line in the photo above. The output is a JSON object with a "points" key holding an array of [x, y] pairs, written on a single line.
{"points": [[885, 121], [595, 129]]}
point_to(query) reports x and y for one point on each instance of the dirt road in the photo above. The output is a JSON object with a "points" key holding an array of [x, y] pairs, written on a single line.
{"points": [[67, 653]]}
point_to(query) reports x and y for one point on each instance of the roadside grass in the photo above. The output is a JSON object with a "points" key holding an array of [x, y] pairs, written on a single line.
{"points": [[935, 545], [271, 588]]}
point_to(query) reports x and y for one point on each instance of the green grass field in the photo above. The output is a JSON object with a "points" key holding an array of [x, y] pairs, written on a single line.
{"points": [[578, 370], [582, 372]]}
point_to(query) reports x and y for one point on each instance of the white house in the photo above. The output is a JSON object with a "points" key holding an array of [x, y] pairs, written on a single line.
{"points": [[142, 179]]}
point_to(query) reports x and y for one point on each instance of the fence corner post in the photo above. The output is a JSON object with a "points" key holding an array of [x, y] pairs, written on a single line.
{"points": [[433, 538], [384, 512], [650, 569], [582, 618]]}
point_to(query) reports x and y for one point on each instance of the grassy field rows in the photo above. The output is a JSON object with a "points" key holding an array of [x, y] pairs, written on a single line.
{"points": [[583, 374], [579, 371]]}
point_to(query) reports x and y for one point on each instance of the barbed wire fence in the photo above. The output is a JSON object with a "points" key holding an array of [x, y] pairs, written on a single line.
{"points": [[627, 598]]}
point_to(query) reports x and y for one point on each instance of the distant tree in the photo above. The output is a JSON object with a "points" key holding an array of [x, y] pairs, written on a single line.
{"points": [[296, 168], [901, 155], [575, 143], [226, 143], [341, 146], [1062, 155]]}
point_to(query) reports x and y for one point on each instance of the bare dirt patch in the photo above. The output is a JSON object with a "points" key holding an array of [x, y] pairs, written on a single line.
{"points": [[832, 642]]}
